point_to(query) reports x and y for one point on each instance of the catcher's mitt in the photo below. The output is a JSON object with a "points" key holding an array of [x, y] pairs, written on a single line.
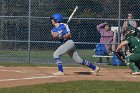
{"points": [[120, 56], [137, 64]]}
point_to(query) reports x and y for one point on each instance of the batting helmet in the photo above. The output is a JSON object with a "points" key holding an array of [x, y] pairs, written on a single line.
{"points": [[57, 17]]}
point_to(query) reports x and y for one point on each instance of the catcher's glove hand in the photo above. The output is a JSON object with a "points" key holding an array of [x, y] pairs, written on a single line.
{"points": [[120, 56]]}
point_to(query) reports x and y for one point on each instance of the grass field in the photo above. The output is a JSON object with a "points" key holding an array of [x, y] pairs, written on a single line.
{"points": [[45, 56], [92, 86], [78, 87], [71, 86], [39, 54]]}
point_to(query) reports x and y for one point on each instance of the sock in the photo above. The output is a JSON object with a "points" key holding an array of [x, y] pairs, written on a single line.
{"points": [[59, 64], [133, 67], [88, 64]]}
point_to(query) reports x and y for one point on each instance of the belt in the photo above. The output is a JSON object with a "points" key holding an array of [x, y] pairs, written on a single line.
{"points": [[64, 40]]}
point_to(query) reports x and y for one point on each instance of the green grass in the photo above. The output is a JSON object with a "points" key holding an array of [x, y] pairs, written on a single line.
{"points": [[47, 56], [9, 64], [67, 87], [35, 53], [42, 56], [78, 87], [21, 53]]}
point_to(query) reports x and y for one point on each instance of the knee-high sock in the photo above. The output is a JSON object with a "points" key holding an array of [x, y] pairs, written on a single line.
{"points": [[59, 64], [133, 67], [90, 65]]}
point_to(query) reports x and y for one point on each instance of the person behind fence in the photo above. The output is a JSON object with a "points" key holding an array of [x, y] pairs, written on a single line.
{"points": [[127, 22], [132, 60], [62, 32], [131, 22], [115, 39], [106, 37]]}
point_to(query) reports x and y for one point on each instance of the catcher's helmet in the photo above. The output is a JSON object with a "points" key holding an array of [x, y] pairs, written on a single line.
{"points": [[57, 17], [132, 31]]}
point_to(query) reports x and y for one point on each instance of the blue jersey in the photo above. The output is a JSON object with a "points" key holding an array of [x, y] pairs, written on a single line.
{"points": [[62, 29]]}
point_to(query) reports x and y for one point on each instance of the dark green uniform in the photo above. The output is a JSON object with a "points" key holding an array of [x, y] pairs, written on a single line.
{"points": [[134, 46]]}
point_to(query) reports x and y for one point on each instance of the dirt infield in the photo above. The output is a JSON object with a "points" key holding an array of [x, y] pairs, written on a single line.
{"points": [[19, 76]]}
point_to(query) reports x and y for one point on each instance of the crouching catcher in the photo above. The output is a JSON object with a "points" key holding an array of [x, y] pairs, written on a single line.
{"points": [[132, 60]]}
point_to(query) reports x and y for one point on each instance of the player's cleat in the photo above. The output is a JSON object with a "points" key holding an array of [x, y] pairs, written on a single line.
{"points": [[135, 73], [96, 71], [59, 73]]}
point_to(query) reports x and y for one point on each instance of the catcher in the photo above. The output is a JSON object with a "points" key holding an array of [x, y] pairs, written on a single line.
{"points": [[132, 60]]}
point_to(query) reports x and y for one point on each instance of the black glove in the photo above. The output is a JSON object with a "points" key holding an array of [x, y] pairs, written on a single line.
{"points": [[120, 56]]}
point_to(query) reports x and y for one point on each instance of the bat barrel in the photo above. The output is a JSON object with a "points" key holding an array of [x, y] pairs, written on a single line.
{"points": [[70, 17]]}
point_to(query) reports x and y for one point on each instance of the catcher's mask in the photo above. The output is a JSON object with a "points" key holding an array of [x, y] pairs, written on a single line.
{"points": [[130, 31]]}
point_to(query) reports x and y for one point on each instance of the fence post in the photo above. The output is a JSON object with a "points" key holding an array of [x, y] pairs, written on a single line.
{"points": [[29, 31], [119, 17]]}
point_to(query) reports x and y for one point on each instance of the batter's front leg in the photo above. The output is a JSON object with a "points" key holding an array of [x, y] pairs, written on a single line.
{"points": [[63, 49]]}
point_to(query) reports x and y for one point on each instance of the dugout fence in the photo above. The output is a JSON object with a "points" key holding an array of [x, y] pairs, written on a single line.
{"points": [[25, 26]]}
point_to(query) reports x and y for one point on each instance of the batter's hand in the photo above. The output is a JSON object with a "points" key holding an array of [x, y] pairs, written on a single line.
{"points": [[60, 33]]}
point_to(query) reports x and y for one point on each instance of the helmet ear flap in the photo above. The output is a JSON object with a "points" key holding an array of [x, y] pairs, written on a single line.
{"points": [[53, 19]]}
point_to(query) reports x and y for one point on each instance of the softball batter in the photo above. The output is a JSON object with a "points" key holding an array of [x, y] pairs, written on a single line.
{"points": [[62, 32]]}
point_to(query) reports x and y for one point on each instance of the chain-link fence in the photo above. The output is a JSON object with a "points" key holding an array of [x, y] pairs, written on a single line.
{"points": [[25, 26]]}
